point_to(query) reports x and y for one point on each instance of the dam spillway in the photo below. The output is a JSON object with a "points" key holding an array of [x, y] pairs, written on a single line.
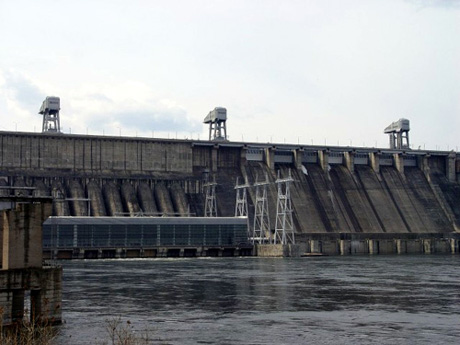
{"points": [[336, 189]]}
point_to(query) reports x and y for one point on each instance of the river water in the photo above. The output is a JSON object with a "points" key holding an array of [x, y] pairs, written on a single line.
{"points": [[315, 300]]}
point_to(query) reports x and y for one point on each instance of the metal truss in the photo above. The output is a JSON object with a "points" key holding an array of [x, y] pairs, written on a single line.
{"points": [[261, 231], [284, 227], [210, 206], [241, 205]]}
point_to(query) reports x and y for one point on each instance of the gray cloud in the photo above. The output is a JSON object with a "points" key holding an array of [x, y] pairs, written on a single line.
{"points": [[26, 94]]}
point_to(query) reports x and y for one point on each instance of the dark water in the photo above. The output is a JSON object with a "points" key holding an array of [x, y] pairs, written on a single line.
{"points": [[322, 300]]}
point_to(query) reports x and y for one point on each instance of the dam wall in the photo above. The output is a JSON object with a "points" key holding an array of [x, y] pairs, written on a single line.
{"points": [[335, 189]]}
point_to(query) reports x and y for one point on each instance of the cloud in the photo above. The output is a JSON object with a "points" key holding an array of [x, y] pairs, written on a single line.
{"points": [[130, 106], [157, 119], [127, 107], [451, 4], [20, 100], [22, 90]]}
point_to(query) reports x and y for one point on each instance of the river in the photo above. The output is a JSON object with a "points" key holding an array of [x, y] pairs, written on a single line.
{"points": [[250, 300]]}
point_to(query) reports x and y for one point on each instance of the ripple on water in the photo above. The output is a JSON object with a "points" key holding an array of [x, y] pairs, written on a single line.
{"points": [[348, 300]]}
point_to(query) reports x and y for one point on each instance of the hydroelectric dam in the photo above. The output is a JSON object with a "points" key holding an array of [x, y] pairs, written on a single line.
{"points": [[343, 198], [124, 197]]}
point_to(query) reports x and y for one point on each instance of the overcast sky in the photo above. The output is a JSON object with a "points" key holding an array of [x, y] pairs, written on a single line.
{"points": [[308, 71]]}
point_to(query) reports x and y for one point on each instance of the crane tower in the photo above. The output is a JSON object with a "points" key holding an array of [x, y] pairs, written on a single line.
{"points": [[399, 134], [217, 119], [50, 111]]}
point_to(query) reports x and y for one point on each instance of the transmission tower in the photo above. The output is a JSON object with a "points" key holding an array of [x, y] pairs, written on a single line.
{"points": [[261, 232], [284, 228], [241, 206], [210, 206]]}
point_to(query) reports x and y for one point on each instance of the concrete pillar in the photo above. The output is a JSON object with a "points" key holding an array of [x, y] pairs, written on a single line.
{"points": [[345, 247], [51, 295], [451, 167], [315, 246], [162, 252], [22, 235], [298, 154], [374, 159], [399, 162], [214, 155], [81, 254], [373, 247], [350, 160], [401, 246], [323, 156], [270, 250], [454, 247], [270, 157], [427, 246]]}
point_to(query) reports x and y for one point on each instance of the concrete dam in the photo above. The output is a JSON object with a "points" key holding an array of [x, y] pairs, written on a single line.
{"points": [[336, 190]]}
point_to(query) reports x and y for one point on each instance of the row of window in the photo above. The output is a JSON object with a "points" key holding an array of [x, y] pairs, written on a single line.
{"points": [[77, 236]]}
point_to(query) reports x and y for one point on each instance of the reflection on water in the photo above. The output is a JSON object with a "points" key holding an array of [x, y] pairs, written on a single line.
{"points": [[328, 300]]}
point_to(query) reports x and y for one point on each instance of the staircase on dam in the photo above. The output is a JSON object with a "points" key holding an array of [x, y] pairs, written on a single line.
{"points": [[338, 190]]}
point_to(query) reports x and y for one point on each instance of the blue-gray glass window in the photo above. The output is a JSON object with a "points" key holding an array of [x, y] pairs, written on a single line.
{"points": [[150, 235], [134, 235], [167, 235], [182, 234], [118, 235], [101, 235]]}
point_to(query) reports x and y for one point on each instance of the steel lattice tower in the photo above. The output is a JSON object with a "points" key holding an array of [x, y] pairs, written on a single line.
{"points": [[261, 232], [241, 206], [210, 206], [284, 228]]}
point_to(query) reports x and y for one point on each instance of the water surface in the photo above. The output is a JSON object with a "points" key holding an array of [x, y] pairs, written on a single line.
{"points": [[319, 300]]}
